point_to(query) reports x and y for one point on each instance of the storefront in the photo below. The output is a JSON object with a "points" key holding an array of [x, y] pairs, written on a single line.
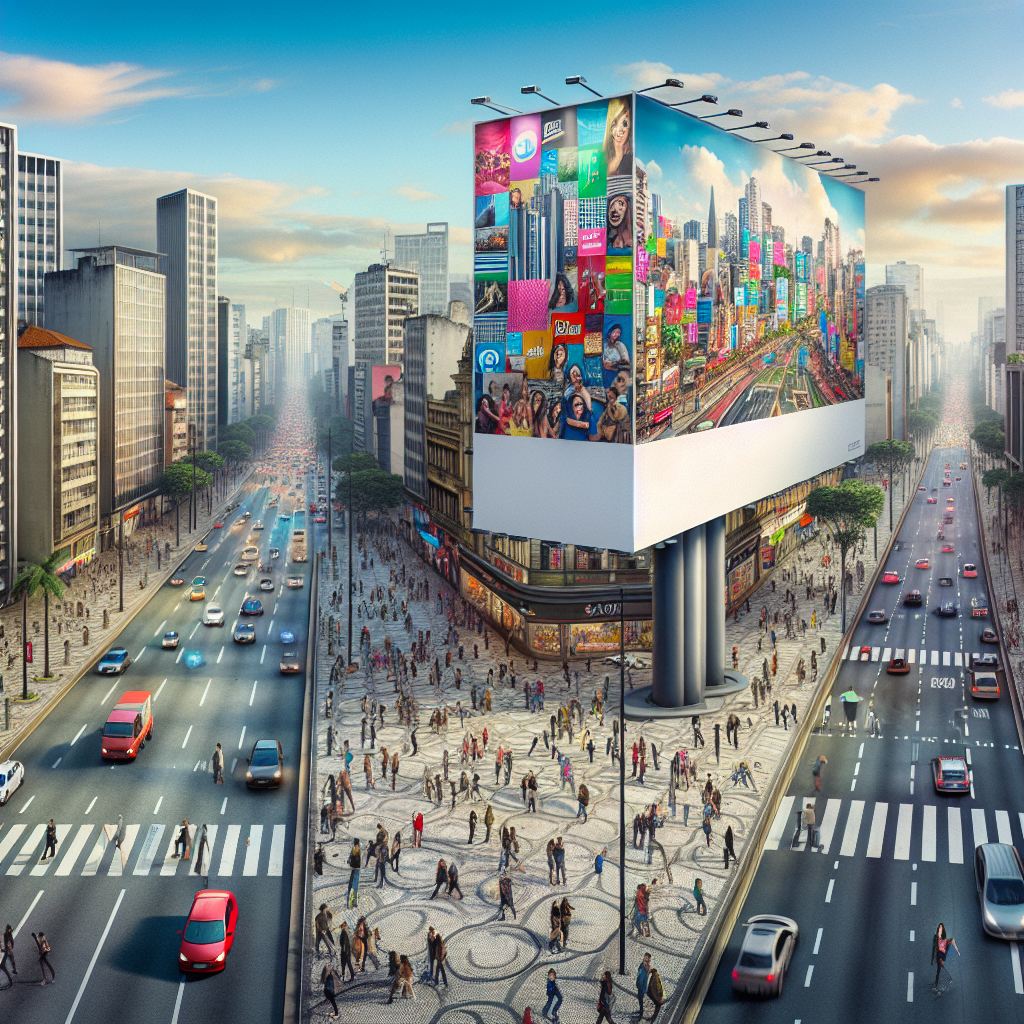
{"points": [[433, 544], [81, 554], [741, 571]]}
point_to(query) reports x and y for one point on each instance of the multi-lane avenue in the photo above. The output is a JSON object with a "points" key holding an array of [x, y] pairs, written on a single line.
{"points": [[897, 857], [114, 917]]}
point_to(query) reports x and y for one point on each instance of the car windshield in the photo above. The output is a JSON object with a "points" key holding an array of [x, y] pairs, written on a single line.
{"points": [[953, 774], [118, 729], [761, 961], [114, 656], [203, 933], [264, 757], [1005, 892]]}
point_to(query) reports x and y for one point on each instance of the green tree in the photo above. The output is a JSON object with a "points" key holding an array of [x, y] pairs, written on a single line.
{"points": [[176, 482], [356, 462], [921, 422], [983, 414], [209, 461], [994, 478], [990, 438], [373, 490], [35, 576], [239, 432], [892, 457], [234, 451], [846, 512]]}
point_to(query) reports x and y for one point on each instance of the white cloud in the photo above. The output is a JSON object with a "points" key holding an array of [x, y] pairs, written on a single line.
{"points": [[51, 90], [654, 171], [1006, 100], [456, 128], [414, 194], [265, 84], [956, 104]]}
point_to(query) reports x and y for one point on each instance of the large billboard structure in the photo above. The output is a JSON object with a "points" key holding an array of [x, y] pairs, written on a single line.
{"points": [[698, 377]]}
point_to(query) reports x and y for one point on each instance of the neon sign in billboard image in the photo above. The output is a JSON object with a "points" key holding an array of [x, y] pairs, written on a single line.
{"points": [[763, 376], [554, 274]]}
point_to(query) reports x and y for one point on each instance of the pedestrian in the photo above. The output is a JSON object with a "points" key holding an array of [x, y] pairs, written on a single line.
{"points": [[380, 871], [355, 859], [599, 861], [322, 923], [698, 736], [728, 849], [793, 712], [558, 853], [707, 827], [403, 980], [940, 947], [554, 1000], [810, 821], [656, 990], [440, 956], [565, 910], [604, 999], [396, 851], [718, 743], [453, 881], [488, 822], [785, 717], [698, 895], [643, 975], [218, 766], [505, 898], [330, 982], [51, 841], [44, 952], [417, 829], [819, 761], [776, 708], [472, 825], [345, 952], [8, 951], [583, 798]]}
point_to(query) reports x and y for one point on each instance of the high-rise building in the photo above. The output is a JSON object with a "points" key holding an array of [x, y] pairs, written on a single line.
{"points": [[696, 230], [337, 386], [885, 334], [58, 432], [752, 190], [732, 236], [1014, 268], [807, 245], [186, 233], [175, 423], [712, 222], [427, 254], [238, 335], [433, 347], [40, 230], [8, 359], [113, 301], [322, 347], [227, 382], [385, 296], [461, 289], [911, 278], [290, 341]]}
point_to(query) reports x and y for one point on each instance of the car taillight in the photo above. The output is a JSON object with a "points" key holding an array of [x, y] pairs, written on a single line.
{"points": [[735, 973], [771, 977]]}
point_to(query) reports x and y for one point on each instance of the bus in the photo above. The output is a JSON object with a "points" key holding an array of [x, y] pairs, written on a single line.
{"points": [[299, 546]]}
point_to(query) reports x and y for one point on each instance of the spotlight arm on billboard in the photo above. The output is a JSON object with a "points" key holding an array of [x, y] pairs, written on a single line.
{"points": [[580, 80], [756, 124], [485, 101], [788, 149], [534, 90], [821, 152], [819, 163], [724, 113], [845, 167], [706, 98], [776, 138], [669, 83]]}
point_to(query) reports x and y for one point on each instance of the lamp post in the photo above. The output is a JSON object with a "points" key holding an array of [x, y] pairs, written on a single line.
{"points": [[351, 527], [120, 564], [622, 781]]}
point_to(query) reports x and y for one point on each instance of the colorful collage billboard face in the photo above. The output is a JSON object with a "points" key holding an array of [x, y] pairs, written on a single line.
{"points": [[738, 335], [554, 259]]}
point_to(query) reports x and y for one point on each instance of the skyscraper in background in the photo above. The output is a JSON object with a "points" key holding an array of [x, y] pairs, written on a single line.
{"points": [[753, 195], [290, 339], [911, 277], [8, 352], [712, 222], [427, 254], [461, 289], [1014, 268], [40, 230], [186, 232]]}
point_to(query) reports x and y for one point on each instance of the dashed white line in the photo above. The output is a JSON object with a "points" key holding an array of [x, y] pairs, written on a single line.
{"points": [[913, 894], [241, 739], [817, 941], [106, 696], [158, 803], [180, 653], [25, 808], [161, 626], [78, 735], [831, 886], [177, 1002], [140, 654], [91, 805], [224, 806], [910, 986], [221, 655], [95, 957], [252, 696], [807, 980], [205, 692], [860, 753], [185, 740], [1018, 981], [193, 633], [160, 690], [57, 762]]}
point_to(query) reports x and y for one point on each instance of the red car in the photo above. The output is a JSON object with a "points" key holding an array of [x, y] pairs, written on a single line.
{"points": [[891, 577], [932, 501], [218, 526], [970, 571], [320, 519], [209, 932], [950, 775], [947, 549]]}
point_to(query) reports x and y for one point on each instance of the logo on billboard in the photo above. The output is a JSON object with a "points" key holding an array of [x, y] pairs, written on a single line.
{"points": [[566, 328], [552, 129], [525, 146], [487, 360]]}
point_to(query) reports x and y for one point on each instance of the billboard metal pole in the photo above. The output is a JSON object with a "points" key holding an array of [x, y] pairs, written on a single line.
{"points": [[351, 527], [622, 782]]}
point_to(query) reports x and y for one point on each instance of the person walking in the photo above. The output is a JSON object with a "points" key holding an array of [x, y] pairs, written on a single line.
{"points": [[940, 947], [396, 851], [819, 762], [656, 990], [440, 956], [505, 898], [718, 744], [604, 999], [453, 880], [809, 822], [698, 895], [183, 840], [403, 980], [355, 859], [8, 952], [728, 848], [643, 975], [565, 911], [44, 952], [330, 982], [583, 798], [50, 850], [472, 826], [417, 829], [558, 855], [322, 923], [698, 736], [345, 952], [554, 1001], [218, 766]]}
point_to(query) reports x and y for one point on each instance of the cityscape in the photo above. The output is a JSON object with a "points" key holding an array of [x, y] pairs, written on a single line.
{"points": [[304, 666]]}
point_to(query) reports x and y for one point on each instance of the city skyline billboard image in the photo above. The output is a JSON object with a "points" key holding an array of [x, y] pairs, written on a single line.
{"points": [[553, 274], [778, 246]]}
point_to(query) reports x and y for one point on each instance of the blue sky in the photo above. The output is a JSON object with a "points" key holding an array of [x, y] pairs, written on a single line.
{"points": [[320, 125]]}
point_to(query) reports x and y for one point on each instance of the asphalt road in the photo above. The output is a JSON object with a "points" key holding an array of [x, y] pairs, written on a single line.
{"points": [[898, 857], [115, 933]]}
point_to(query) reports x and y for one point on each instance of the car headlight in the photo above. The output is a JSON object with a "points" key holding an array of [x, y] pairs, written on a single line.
{"points": [[182, 958], [104, 750], [248, 775], [131, 750], [277, 774], [220, 958]]}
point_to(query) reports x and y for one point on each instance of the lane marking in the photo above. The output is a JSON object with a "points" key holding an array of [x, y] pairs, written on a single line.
{"points": [[160, 627], [807, 980], [252, 852], [910, 986], [228, 851], [903, 828], [853, 785], [224, 805], [817, 941], [828, 894], [828, 824], [140, 654], [980, 827], [234, 761], [241, 739], [205, 692], [1003, 828], [35, 837], [967, 755], [956, 838], [57, 762], [778, 829], [149, 850], [78, 735], [276, 865], [31, 907], [91, 805], [263, 654], [121, 855], [1018, 981], [928, 834], [876, 837], [178, 658], [158, 803], [106, 696], [860, 753], [160, 690], [252, 696], [185, 740], [853, 823], [856, 768], [221, 655], [913, 894], [95, 957], [25, 808]]}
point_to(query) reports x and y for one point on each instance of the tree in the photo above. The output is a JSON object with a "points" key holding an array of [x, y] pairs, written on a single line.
{"points": [[920, 421], [176, 482], [994, 478], [35, 576], [234, 451], [239, 432], [208, 461], [983, 414], [372, 490], [357, 462], [847, 512], [990, 438], [896, 456], [262, 425]]}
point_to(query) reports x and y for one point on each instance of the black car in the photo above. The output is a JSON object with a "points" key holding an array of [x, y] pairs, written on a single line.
{"points": [[913, 599], [947, 609]]}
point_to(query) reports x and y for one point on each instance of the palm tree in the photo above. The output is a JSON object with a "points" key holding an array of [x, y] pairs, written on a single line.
{"points": [[32, 577]]}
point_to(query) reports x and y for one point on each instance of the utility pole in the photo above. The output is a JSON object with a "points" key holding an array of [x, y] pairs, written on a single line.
{"points": [[120, 565], [194, 510], [330, 497]]}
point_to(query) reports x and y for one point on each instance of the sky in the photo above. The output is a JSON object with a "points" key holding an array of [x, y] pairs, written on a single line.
{"points": [[324, 128]]}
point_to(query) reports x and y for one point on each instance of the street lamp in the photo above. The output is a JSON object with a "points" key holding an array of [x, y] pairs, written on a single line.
{"points": [[669, 83], [732, 112], [580, 80], [788, 149], [706, 98], [756, 124], [485, 101], [534, 90]]}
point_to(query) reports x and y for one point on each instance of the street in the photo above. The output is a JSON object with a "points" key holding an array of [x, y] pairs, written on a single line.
{"points": [[115, 932], [895, 856]]}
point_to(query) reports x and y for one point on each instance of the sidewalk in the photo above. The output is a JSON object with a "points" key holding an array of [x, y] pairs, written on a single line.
{"points": [[503, 965], [96, 590]]}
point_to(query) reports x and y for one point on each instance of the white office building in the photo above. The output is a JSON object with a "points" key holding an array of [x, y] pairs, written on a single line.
{"points": [[910, 277], [427, 254], [186, 234], [40, 230], [885, 337], [290, 342]]}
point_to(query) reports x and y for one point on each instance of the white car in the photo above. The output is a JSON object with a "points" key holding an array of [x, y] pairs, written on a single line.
{"points": [[213, 615], [12, 775], [632, 661], [242, 569]]}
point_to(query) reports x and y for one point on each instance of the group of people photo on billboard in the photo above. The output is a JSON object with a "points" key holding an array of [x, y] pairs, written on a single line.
{"points": [[553, 274]]}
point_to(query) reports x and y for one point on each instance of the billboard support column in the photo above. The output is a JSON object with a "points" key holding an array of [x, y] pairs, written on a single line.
{"points": [[714, 647], [669, 605], [694, 620]]}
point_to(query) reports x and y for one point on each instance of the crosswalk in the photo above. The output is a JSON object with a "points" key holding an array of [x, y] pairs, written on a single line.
{"points": [[146, 851], [914, 656], [928, 833]]}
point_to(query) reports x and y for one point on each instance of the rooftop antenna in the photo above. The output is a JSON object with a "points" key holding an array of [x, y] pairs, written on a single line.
{"points": [[384, 251]]}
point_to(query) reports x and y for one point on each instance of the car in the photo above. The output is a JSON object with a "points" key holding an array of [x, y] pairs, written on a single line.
{"points": [[932, 501], [275, 553], [319, 519], [258, 525], [922, 488], [985, 686], [244, 633], [922, 563], [970, 571], [202, 546], [287, 636], [213, 615], [290, 664], [198, 581], [218, 526], [950, 774], [979, 608], [295, 583], [947, 518], [878, 616], [114, 662], [266, 583], [251, 606], [947, 482], [948, 549], [898, 667], [266, 765], [240, 521], [865, 654], [197, 594], [209, 931], [177, 581], [242, 569], [988, 636], [999, 882], [986, 661], [247, 515], [950, 501], [963, 465], [913, 599], [12, 775], [170, 640], [765, 955], [891, 577], [632, 661], [947, 610], [945, 581]]}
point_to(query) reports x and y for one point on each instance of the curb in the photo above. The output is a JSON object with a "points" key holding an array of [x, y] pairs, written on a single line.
{"points": [[708, 955], [8, 749]]}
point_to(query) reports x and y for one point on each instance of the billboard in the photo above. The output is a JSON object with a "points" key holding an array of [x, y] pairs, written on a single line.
{"points": [[382, 383], [597, 321]]}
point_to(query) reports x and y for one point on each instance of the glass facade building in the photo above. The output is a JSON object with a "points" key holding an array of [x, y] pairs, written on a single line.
{"points": [[40, 230], [427, 254], [8, 342]]}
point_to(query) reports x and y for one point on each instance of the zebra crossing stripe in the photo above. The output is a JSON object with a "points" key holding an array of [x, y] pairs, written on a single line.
{"points": [[853, 822], [923, 657], [887, 654], [876, 837], [63, 831], [945, 659], [778, 829], [958, 659], [92, 865], [1003, 828], [928, 833], [276, 866], [980, 828], [875, 652], [912, 656], [903, 827], [252, 854], [35, 837], [227, 854], [149, 848], [120, 858], [828, 824], [956, 837], [74, 850], [8, 841], [935, 657]]}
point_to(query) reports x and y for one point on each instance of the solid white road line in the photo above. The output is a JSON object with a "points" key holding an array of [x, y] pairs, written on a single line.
{"points": [[276, 866], [903, 828], [35, 837], [106, 696], [78, 735], [205, 692], [252, 852], [158, 803], [781, 820], [31, 907], [1003, 828], [1018, 981], [25, 808], [160, 689], [956, 837], [807, 980], [980, 828], [877, 835], [252, 696], [910, 986], [185, 740], [853, 823], [817, 941], [831, 886], [92, 804], [928, 833], [241, 739], [95, 957]]}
